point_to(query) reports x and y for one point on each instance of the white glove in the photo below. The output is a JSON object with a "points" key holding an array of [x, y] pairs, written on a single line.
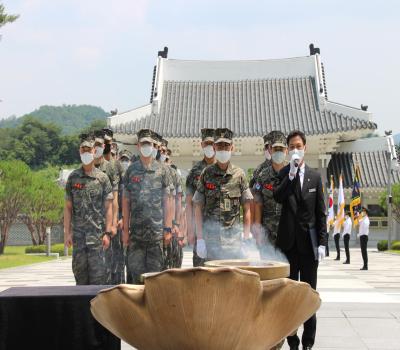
{"points": [[201, 249], [294, 164], [250, 236], [321, 252]]}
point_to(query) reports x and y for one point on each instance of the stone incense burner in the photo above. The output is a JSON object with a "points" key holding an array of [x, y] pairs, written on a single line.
{"points": [[222, 308]]}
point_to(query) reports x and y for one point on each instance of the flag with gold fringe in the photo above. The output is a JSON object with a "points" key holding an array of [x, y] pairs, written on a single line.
{"points": [[355, 204]]}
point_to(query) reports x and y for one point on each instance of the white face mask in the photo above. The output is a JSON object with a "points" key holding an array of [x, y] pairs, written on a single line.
{"points": [[267, 155], [146, 150], [87, 158], [299, 152], [209, 151], [99, 152], [125, 165], [223, 156], [163, 158], [154, 154], [278, 157]]}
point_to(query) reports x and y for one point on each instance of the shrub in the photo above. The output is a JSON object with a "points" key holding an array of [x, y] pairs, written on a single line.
{"points": [[382, 245], [55, 248]]}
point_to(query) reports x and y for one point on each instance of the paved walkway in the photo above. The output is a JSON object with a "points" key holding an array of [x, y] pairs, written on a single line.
{"points": [[360, 310]]}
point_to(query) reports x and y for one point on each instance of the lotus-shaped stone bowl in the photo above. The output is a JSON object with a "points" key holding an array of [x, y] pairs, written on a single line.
{"points": [[205, 309], [267, 270]]}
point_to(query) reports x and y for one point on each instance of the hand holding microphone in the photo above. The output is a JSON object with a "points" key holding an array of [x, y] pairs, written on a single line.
{"points": [[294, 164]]}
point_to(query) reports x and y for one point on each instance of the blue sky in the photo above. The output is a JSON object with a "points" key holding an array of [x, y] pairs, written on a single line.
{"points": [[102, 53]]}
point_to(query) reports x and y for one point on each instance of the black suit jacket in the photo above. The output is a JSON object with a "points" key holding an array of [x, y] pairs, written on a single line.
{"points": [[303, 218]]}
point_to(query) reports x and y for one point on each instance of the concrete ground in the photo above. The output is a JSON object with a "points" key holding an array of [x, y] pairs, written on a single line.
{"points": [[360, 309]]}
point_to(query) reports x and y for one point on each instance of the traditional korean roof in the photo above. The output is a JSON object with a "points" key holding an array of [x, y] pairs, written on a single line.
{"points": [[247, 107], [373, 168]]}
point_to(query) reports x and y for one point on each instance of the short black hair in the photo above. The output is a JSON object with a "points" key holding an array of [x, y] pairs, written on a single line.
{"points": [[348, 213], [295, 133]]}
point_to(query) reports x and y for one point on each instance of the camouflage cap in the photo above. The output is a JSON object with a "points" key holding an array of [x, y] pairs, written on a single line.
{"points": [[108, 134], [223, 135], [157, 138], [145, 135], [266, 139], [277, 139], [99, 136], [125, 154], [86, 140], [207, 134], [164, 143]]}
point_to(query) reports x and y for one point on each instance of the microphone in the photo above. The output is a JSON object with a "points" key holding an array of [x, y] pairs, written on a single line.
{"points": [[296, 160]]}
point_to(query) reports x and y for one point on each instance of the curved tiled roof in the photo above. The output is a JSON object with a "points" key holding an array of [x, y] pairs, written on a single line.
{"points": [[247, 107], [373, 168]]}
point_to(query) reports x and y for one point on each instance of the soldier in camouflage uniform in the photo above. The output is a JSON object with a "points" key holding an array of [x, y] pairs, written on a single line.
{"points": [[116, 253], [222, 189], [88, 218], [265, 163], [147, 218], [176, 253], [268, 211], [192, 180]]}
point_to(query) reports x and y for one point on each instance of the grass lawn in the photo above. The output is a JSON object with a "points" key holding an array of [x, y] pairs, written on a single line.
{"points": [[15, 256]]}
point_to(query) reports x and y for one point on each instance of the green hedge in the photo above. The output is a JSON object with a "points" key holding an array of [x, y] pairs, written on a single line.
{"points": [[55, 248], [383, 245], [396, 245]]}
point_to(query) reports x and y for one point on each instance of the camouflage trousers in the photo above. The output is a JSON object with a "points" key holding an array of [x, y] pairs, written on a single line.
{"points": [[173, 254], [144, 257], [89, 264], [116, 260]]}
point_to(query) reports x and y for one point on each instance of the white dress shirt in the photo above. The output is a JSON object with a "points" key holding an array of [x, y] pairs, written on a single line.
{"points": [[347, 226], [364, 226], [336, 228], [301, 175]]}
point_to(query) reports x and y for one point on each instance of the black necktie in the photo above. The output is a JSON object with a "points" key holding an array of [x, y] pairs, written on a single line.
{"points": [[298, 186]]}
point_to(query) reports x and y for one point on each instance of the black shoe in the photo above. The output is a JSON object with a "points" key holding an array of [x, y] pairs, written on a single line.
{"points": [[364, 268], [307, 347], [337, 258], [346, 262], [294, 347]]}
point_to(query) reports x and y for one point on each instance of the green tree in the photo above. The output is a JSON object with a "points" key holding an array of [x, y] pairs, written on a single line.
{"points": [[35, 143], [15, 178], [44, 203], [395, 201], [71, 119], [6, 18]]}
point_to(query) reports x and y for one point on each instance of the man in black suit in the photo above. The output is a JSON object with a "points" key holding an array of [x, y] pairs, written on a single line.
{"points": [[302, 225]]}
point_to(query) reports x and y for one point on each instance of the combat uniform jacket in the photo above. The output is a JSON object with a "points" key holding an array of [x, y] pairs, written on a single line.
{"points": [[263, 193], [146, 189], [193, 178], [222, 193], [88, 193]]}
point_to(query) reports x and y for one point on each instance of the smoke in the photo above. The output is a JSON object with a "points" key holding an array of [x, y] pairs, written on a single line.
{"points": [[223, 244], [266, 252]]}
